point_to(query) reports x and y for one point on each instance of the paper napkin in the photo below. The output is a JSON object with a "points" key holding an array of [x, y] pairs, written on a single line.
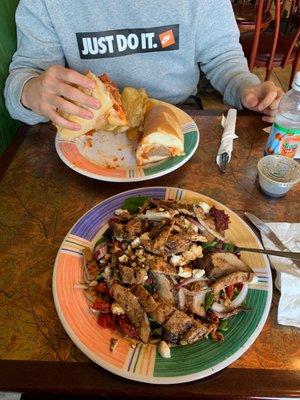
{"points": [[228, 124], [288, 275]]}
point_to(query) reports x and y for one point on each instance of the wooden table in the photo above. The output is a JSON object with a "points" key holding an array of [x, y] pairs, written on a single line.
{"points": [[40, 198]]}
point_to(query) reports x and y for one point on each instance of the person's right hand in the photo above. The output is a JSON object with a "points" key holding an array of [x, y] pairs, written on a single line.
{"points": [[52, 90]]}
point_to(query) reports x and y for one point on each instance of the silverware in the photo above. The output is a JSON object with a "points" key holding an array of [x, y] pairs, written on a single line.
{"points": [[263, 228], [285, 254], [222, 161]]}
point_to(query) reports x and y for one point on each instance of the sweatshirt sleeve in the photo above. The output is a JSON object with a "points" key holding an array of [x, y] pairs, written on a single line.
{"points": [[38, 47], [221, 56]]}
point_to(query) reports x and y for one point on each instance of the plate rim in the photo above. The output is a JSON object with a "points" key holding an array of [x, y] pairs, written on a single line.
{"points": [[177, 379], [138, 178]]}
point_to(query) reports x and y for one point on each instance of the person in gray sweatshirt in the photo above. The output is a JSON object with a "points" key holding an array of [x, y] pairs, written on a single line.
{"points": [[154, 44]]}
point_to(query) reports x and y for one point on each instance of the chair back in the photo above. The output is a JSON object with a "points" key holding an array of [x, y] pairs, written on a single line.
{"points": [[279, 8], [267, 4], [245, 13]]}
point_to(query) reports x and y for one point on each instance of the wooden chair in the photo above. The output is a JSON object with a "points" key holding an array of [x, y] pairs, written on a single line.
{"points": [[245, 15], [271, 49], [293, 16]]}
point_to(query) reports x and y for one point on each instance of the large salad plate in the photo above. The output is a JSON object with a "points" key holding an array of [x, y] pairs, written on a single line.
{"points": [[143, 363]]}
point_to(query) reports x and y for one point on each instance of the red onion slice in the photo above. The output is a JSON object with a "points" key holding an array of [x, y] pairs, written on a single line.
{"points": [[100, 251], [187, 281], [220, 308]]}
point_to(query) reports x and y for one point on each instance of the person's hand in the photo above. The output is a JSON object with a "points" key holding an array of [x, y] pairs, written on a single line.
{"points": [[51, 92], [263, 98]]}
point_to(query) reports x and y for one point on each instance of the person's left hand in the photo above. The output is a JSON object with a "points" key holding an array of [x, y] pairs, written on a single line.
{"points": [[263, 98]]}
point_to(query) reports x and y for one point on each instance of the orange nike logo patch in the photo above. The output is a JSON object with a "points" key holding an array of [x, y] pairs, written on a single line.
{"points": [[167, 38]]}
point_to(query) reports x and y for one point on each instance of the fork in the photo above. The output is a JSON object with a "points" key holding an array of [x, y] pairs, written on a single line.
{"points": [[224, 158], [285, 254]]}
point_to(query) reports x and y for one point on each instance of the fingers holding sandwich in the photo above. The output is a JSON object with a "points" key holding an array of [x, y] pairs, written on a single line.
{"points": [[110, 117], [55, 90]]}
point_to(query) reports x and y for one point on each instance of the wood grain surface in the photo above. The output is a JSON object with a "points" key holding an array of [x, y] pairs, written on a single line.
{"points": [[41, 198]]}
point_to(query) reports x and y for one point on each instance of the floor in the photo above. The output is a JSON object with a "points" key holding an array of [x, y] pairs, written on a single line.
{"points": [[213, 100]]}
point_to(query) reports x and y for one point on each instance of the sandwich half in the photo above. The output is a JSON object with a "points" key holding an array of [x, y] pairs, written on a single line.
{"points": [[162, 136], [109, 117]]}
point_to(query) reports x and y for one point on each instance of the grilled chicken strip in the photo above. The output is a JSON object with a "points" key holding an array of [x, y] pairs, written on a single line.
{"points": [[225, 263], [206, 223], [231, 279], [163, 311], [159, 309], [133, 309], [178, 323], [163, 236], [166, 288], [195, 333], [133, 228], [130, 275], [145, 298], [161, 266]]}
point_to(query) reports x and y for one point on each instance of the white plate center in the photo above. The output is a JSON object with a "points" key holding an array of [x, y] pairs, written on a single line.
{"points": [[108, 150]]}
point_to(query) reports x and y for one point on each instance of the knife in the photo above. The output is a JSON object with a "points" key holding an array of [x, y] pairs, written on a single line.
{"points": [[263, 228]]}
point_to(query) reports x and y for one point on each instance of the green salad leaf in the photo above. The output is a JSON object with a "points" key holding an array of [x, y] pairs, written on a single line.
{"points": [[209, 246], [228, 247], [223, 325], [133, 204], [208, 301], [235, 294], [150, 288]]}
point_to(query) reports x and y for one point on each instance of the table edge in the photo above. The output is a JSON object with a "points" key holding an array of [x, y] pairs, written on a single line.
{"points": [[87, 377]]}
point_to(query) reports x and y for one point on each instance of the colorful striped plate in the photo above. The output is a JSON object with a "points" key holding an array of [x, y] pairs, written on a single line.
{"points": [[143, 363], [108, 157]]}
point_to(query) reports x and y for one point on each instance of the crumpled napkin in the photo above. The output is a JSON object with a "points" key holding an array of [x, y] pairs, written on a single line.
{"points": [[228, 124], [288, 274]]}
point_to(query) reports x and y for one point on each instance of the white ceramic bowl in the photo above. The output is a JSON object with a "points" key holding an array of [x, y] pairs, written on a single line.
{"points": [[278, 174]]}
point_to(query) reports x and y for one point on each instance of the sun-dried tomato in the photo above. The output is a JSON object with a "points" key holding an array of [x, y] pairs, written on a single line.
{"points": [[126, 326], [107, 321], [101, 305], [102, 288], [229, 291]]}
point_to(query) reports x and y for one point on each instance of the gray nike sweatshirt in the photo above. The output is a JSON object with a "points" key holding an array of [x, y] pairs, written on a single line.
{"points": [[155, 44]]}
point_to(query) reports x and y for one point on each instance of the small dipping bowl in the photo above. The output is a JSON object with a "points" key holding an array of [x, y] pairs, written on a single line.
{"points": [[277, 174]]}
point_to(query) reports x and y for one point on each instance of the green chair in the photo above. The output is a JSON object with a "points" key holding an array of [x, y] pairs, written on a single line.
{"points": [[8, 43]]}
